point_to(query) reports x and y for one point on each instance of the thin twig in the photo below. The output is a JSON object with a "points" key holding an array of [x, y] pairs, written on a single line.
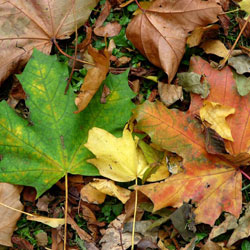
{"points": [[139, 6], [71, 57], [222, 64], [247, 176]]}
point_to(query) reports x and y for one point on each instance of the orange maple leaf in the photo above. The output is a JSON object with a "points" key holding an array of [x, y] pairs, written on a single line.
{"points": [[212, 183]]}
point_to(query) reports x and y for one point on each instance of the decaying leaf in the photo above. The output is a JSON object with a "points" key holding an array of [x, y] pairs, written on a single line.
{"points": [[94, 78], [183, 221], [81, 233], [108, 187], [240, 63], [191, 82], [215, 47], [243, 229], [169, 93], [42, 239], [229, 223], [109, 30], [215, 114], [160, 32], [42, 154], [242, 83], [27, 24], [246, 31], [9, 195], [113, 235]]}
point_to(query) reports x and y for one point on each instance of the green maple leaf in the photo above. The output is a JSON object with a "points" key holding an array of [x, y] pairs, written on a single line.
{"points": [[41, 154]]}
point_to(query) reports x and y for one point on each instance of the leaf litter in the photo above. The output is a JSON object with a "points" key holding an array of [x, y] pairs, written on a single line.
{"points": [[200, 154]]}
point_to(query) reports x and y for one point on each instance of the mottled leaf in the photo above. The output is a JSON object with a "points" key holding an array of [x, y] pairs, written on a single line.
{"points": [[41, 154], [211, 183], [240, 63], [191, 82], [242, 83]]}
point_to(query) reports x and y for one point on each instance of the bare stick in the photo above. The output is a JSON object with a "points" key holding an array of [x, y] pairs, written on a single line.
{"points": [[71, 57], [224, 61]]}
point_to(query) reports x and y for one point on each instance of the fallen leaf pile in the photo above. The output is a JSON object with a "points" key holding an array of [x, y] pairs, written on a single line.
{"points": [[40, 163], [149, 143]]}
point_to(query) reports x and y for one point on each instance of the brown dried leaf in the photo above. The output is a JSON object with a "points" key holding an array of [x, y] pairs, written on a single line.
{"points": [[229, 223], [160, 32], [9, 195], [109, 30], [87, 41], [241, 22], [22, 243], [169, 93], [94, 78], [243, 229], [25, 25], [92, 195], [43, 202], [104, 14], [81, 233]]}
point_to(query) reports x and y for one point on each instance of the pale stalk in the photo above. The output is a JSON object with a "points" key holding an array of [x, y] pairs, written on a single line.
{"points": [[66, 212], [134, 220], [17, 210]]}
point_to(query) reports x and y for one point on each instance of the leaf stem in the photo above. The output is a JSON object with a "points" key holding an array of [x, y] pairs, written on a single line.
{"points": [[231, 11], [75, 55], [17, 210], [139, 6], [66, 212], [134, 219], [247, 176], [223, 62], [71, 57]]}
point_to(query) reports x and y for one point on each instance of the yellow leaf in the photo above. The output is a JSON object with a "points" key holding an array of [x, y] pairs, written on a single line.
{"points": [[52, 222], [245, 5], [198, 33], [116, 158], [215, 47], [108, 187], [92, 195], [215, 114]]}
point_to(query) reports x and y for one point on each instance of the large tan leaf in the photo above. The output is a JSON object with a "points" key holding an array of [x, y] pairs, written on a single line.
{"points": [[9, 195], [25, 25], [160, 32]]}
